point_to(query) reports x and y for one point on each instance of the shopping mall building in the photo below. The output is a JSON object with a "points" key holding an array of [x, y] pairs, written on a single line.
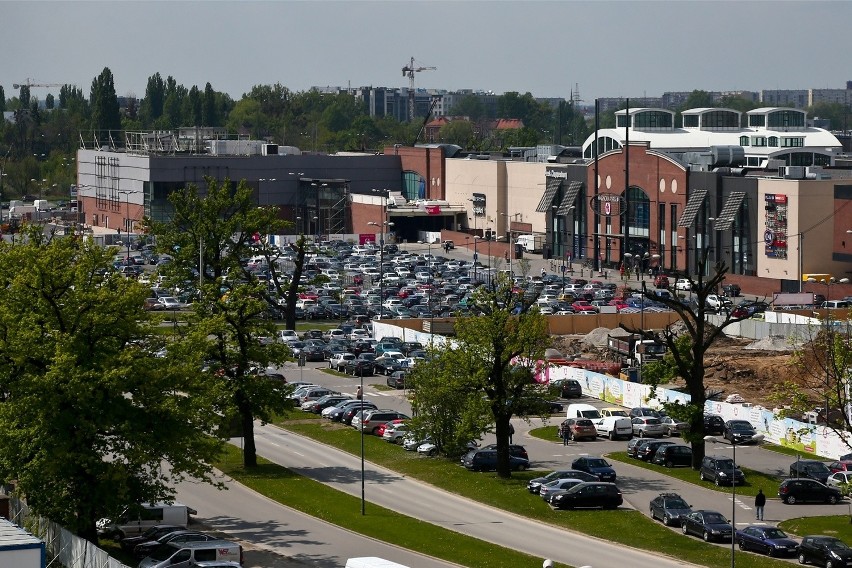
{"points": [[765, 199]]}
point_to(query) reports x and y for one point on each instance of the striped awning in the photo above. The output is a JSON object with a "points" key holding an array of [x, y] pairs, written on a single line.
{"points": [[546, 202], [569, 198]]}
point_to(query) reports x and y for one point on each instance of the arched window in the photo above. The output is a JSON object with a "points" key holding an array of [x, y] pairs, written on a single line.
{"points": [[772, 141], [743, 140]]}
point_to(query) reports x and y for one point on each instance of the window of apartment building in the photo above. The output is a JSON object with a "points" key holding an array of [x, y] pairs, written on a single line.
{"points": [[652, 119], [772, 142], [744, 141], [673, 261], [758, 141], [756, 120], [786, 119], [690, 121], [792, 142]]}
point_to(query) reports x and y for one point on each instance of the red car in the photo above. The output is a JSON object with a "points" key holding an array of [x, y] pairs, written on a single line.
{"points": [[619, 304], [842, 465], [661, 281], [380, 431], [584, 307]]}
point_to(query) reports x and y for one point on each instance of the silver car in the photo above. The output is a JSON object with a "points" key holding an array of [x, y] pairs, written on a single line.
{"points": [[648, 427]]}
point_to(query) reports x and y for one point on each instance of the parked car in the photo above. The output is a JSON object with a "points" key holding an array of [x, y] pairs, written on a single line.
{"points": [[373, 419], [731, 290], [128, 543], [683, 284], [792, 491], [673, 426], [394, 432], [661, 281], [397, 379], [514, 449], [571, 388], [549, 490], [633, 446], [350, 411], [721, 471], [648, 447], [771, 541], [486, 460], [840, 465], [714, 425], [647, 427], [840, 480], [672, 455], [669, 508], [825, 551], [589, 494], [339, 360], [534, 485], [739, 432], [596, 466], [709, 525], [644, 411], [811, 469], [577, 429], [718, 303], [362, 366], [143, 549]]}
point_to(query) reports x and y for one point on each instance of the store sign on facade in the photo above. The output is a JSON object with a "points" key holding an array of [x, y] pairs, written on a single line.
{"points": [[608, 204]]}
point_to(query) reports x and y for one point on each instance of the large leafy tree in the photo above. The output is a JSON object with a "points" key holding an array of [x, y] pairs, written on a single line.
{"points": [[105, 111], [502, 342], [208, 234], [89, 414]]}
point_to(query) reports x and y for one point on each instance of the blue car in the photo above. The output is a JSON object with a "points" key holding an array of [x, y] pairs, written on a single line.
{"points": [[767, 540], [596, 466]]}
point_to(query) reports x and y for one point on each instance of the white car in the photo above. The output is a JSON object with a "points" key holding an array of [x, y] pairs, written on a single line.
{"points": [[287, 335], [395, 432], [716, 302], [683, 284]]}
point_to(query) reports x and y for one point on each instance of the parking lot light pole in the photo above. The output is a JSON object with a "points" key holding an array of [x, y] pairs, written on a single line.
{"points": [[756, 438]]}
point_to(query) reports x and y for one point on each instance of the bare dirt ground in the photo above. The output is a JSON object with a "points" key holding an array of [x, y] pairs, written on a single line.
{"points": [[729, 368]]}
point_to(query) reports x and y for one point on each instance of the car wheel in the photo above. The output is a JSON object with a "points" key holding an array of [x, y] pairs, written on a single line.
{"points": [[669, 463], [653, 515], [706, 536], [771, 553], [433, 452], [802, 559], [791, 500], [829, 564], [701, 476], [375, 431], [717, 482], [832, 500], [683, 529], [522, 467], [612, 435]]}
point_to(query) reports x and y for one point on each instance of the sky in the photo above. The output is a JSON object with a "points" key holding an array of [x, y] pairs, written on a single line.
{"points": [[547, 48]]}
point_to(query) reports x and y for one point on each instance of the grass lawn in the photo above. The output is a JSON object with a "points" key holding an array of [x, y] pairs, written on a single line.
{"points": [[546, 433], [754, 479], [791, 452], [839, 526], [625, 526]]}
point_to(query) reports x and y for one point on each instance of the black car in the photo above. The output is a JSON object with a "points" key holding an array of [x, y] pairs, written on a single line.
{"points": [[486, 460], [713, 425], [647, 448], [709, 525], [731, 290], [312, 353], [337, 413], [514, 450], [766, 540], [534, 485], [792, 491], [721, 471], [589, 494], [351, 411], [571, 388], [825, 550], [739, 432], [633, 446], [130, 542], [143, 549], [596, 466], [810, 469], [360, 366], [672, 455], [669, 508]]}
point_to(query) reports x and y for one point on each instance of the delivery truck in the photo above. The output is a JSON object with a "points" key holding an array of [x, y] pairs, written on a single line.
{"points": [[531, 243]]}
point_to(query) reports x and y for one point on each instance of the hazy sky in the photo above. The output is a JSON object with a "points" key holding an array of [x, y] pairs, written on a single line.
{"points": [[609, 49]]}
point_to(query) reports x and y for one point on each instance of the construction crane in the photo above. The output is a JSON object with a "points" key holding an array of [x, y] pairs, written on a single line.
{"points": [[409, 71], [29, 84]]}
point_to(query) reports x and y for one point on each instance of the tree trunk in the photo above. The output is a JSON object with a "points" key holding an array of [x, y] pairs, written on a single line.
{"points": [[247, 423], [293, 290], [501, 430]]}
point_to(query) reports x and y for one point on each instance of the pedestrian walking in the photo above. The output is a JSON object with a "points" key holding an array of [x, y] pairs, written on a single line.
{"points": [[543, 272], [759, 504], [511, 432], [358, 394], [566, 434]]}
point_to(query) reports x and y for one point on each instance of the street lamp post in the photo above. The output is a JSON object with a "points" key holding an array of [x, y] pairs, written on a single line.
{"points": [[757, 438]]}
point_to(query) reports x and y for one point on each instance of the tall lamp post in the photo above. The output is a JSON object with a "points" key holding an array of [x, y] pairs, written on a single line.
{"points": [[757, 438]]}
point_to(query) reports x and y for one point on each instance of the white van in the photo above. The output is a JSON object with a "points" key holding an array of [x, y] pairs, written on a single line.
{"points": [[583, 411], [372, 562], [137, 520], [185, 554]]}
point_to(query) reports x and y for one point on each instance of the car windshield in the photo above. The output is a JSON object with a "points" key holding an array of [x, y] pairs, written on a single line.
{"points": [[817, 467], [774, 533], [584, 422], [725, 464], [714, 518], [162, 552], [597, 462], [741, 426], [836, 544], [676, 504]]}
